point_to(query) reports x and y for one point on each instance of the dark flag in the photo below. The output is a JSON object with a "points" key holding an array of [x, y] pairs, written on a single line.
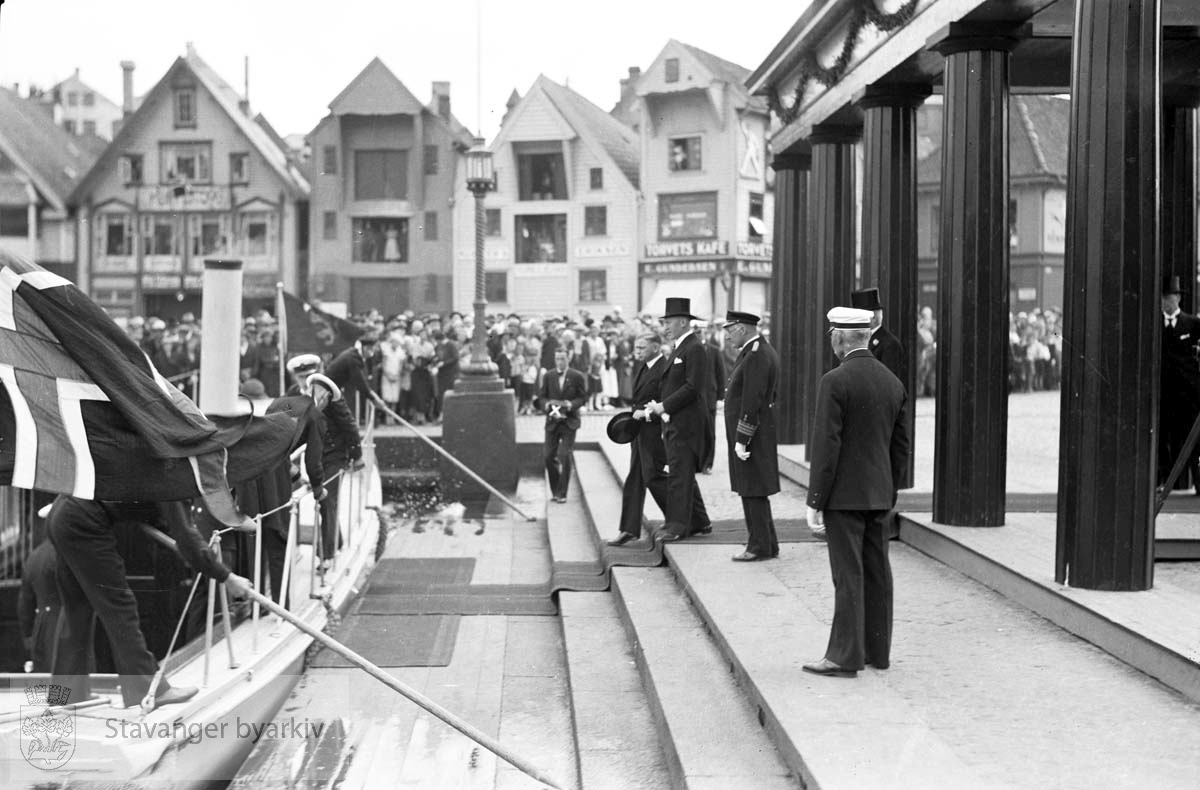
{"points": [[312, 331], [83, 411]]}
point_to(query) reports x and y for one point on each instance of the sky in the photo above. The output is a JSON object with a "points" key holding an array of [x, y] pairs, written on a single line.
{"points": [[303, 53]]}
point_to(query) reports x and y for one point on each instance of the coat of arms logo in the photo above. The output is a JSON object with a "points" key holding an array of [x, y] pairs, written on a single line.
{"points": [[47, 726]]}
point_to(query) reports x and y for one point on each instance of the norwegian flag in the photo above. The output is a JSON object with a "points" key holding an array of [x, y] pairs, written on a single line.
{"points": [[83, 411]]}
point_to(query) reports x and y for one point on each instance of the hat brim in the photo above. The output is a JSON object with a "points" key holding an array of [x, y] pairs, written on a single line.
{"points": [[679, 315], [622, 428]]}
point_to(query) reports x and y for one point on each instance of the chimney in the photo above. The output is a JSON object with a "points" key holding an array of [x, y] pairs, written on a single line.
{"points": [[630, 82], [127, 92], [244, 103], [441, 100]]}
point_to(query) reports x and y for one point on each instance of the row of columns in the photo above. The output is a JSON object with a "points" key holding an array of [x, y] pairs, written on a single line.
{"points": [[1112, 270]]}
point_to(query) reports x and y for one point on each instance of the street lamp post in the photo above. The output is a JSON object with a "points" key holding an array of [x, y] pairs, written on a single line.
{"points": [[479, 414], [481, 179]]}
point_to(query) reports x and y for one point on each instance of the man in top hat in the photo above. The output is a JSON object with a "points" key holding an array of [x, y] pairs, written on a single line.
{"points": [[859, 451], [751, 434], [561, 395], [647, 454], [1179, 392], [684, 413], [884, 345]]}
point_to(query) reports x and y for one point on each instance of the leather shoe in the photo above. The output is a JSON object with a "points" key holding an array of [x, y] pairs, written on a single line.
{"points": [[746, 556], [705, 530], [829, 669], [175, 695], [560, 499], [622, 539], [666, 537]]}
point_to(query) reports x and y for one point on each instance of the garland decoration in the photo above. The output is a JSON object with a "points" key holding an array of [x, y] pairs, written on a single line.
{"points": [[864, 13]]}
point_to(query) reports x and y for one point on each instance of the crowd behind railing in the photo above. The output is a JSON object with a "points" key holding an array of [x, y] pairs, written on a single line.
{"points": [[412, 360]]}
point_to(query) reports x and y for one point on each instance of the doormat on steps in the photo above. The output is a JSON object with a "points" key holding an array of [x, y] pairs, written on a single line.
{"points": [[412, 575], [398, 641]]}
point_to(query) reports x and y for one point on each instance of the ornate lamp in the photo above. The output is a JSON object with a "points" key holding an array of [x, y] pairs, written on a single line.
{"points": [[481, 179]]}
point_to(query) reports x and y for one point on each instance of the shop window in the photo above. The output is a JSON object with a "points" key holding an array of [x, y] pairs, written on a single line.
{"points": [[593, 285], [256, 239], [596, 178], [671, 67], [329, 160], [595, 220], [687, 216], [89, 128], [89, 99], [431, 160], [130, 169], [492, 215], [495, 287], [541, 238], [757, 228], [185, 108], [160, 238], [186, 162], [239, 168], [541, 177], [379, 240], [14, 221], [209, 237], [431, 228], [381, 175], [330, 225], [118, 235], [683, 153]]}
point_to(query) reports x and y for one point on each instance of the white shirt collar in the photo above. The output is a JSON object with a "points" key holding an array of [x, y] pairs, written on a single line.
{"points": [[1174, 314], [751, 340], [654, 360], [683, 336]]}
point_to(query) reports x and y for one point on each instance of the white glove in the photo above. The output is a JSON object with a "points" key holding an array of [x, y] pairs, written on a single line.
{"points": [[741, 452], [641, 414], [815, 518], [665, 417]]}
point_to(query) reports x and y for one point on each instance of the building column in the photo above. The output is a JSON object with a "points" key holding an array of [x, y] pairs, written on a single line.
{"points": [[972, 365], [889, 233], [790, 325], [831, 276], [1179, 193], [1111, 315]]}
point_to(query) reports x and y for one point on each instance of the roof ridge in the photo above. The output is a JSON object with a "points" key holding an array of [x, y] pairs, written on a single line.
{"points": [[1034, 140]]}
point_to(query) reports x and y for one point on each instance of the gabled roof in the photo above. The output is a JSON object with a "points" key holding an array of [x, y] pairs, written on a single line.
{"points": [[721, 70], [1037, 141], [228, 99], [461, 134], [376, 91], [617, 140], [54, 160], [75, 80]]}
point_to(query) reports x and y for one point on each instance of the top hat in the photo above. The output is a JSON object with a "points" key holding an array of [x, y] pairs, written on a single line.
{"points": [[738, 317], [679, 307], [866, 299], [622, 428], [1171, 285]]}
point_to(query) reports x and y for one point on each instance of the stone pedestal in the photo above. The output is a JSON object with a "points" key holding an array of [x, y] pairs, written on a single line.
{"points": [[479, 428], [1111, 308]]}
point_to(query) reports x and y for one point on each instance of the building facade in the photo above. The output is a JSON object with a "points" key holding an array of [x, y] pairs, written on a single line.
{"points": [[39, 166], [562, 224], [190, 175], [708, 206], [82, 110], [1036, 201], [385, 169]]}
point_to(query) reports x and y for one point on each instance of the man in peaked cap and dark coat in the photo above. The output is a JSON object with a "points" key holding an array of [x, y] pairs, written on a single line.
{"points": [[859, 451], [684, 413], [751, 434], [1179, 392]]}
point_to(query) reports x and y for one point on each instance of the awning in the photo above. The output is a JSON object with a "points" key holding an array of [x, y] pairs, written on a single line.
{"points": [[698, 290]]}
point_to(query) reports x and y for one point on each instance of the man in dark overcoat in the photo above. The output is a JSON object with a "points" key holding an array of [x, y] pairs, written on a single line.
{"points": [[751, 434], [859, 450], [884, 345], [715, 392], [684, 413], [647, 454], [1179, 393], [563, 392]]}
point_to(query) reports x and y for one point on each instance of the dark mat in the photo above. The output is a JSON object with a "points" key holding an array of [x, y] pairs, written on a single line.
{"points": [[417, 574], [398, 641], [504, 600], [914, 502]]}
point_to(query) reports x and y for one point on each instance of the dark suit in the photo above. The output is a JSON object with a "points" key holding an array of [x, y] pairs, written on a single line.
{"points": [[647, 454], [686, 434], [750, 420], [38, 605], [714, 393], [1179, 395], [859, 451], [887, 349], [560, 433]]}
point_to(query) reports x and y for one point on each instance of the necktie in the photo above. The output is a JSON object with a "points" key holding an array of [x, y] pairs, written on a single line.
{"points": [[1171, 321]]}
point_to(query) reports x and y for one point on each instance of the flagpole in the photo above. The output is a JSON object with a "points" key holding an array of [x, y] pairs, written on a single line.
{"points": [[281, 336]]}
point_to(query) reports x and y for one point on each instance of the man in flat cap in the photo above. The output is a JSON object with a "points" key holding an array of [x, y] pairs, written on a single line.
{"points": [[859, 451], [750, 432], [684, 413]]}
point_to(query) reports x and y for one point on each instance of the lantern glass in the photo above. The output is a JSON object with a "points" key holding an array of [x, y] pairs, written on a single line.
{"points": [[479, 165]]}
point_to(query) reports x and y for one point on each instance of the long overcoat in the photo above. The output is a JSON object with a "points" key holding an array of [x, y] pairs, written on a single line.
{"points": [[750, 419]]}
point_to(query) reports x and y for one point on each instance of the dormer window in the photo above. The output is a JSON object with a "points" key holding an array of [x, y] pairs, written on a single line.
{"points": [[671, 66], [130, 169], [541, 172], [185, 108], [239, 168]]}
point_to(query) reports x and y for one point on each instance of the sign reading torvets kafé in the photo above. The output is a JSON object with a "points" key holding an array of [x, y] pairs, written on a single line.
{"points": [[686, 249]]}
